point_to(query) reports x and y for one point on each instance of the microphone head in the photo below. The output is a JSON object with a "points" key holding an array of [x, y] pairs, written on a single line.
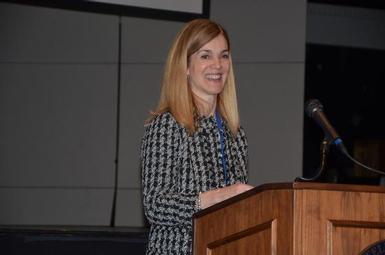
{"points": [[312, 106]]}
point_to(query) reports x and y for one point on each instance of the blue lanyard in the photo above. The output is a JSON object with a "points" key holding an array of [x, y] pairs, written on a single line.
{"points": [[221, 134]]}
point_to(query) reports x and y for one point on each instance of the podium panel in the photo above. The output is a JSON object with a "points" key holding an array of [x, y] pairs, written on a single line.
{"points": [[293, 218], [256, 240], [338, 221], [251, 223], [362, 234]]}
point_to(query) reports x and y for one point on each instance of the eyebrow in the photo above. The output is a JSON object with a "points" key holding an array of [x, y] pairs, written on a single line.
{"points": [[210, 51]]}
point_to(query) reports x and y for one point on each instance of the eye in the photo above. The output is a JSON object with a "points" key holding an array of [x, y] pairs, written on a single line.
{"points": [[226, 56], [205, 56]]}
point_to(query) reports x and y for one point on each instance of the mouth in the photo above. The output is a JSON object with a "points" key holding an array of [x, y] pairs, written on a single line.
{"points": [[214, 76]]}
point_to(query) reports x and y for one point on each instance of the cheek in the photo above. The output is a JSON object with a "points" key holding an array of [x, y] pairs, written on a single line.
{"points": [[226, 69], [226, 66], [196, 70]]}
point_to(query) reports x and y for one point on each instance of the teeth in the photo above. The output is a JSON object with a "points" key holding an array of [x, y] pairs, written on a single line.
{"points": [[213, 76]]}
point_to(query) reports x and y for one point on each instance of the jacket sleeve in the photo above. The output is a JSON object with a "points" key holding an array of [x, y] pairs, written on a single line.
{"points": [[164, 202], [243, 156]]}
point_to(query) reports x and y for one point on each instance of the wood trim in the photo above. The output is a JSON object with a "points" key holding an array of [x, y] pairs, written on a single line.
{"points": [[339, 187], [357, 224], [291, 185], [245, 195], [236, 236]]}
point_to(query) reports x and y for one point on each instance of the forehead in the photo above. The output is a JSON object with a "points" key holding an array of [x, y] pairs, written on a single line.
{"points": [[218, 43]]}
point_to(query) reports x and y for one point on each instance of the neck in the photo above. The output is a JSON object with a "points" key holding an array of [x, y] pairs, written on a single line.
{"points": [[206, 107]]}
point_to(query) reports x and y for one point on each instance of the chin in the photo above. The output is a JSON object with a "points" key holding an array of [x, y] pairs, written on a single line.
{"points": [[215, 86], [217, 91]]}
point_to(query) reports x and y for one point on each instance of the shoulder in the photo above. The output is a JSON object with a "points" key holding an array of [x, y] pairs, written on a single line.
{"points": [[161, 131], [163, 122], [241, 131], [161, 119]]}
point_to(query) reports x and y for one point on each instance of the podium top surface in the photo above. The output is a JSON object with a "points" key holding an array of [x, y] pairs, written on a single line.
{"points": [[293, 186], [337, 187]]}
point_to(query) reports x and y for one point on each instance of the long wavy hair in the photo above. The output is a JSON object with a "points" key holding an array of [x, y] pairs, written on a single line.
{"points": [[176, 96]]}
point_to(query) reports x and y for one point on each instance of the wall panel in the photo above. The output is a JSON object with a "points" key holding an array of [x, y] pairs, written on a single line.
{"points": [[55, 206], [38, 34]]}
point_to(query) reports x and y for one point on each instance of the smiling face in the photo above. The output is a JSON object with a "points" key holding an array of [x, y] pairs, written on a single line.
{"points": [[208, 69]]}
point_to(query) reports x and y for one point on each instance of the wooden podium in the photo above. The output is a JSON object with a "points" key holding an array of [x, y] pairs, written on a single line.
{"points": [[293, 219]]}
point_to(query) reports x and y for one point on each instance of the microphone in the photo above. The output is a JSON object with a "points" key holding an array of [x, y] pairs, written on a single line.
{"points": [[314, 110]]}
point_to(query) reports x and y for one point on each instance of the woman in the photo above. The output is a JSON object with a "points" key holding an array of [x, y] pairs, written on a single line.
{"points": [[194, 152]]}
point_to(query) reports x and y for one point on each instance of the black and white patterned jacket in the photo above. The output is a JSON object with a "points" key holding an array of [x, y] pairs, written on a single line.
{"points": [[177, 166]]}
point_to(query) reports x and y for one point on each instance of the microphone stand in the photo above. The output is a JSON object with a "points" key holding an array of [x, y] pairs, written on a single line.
{"points": [[324, 151]]}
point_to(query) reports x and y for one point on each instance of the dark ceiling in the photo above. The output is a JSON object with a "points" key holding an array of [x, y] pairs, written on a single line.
{"points": [[372, 4]]}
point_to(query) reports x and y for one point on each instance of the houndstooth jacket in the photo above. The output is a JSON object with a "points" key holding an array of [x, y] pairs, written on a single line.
{"points": [[177, 166]]}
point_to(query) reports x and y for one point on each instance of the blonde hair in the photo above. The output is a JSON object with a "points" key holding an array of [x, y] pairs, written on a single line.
{"points": [[176, 96]]}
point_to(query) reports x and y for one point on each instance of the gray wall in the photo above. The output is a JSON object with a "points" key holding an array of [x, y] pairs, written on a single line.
{"points": [[58, 98], [58, 76]]}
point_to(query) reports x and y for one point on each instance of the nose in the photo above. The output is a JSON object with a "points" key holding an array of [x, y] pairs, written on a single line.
{"points": [[217, 62]]}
